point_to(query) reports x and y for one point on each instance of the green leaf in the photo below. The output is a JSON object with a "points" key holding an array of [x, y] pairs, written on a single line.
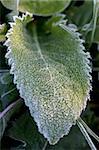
{"points": [[75, 137], [86, 19], [96, 34], [6, 115], [43, 7], [25, 130], [51, 71], [95, 16], [8, 91], [39, 7], [80, 15], [21, 128], [3, 30], [95, 38], [12, 5], [3, 63], [5, 78]]}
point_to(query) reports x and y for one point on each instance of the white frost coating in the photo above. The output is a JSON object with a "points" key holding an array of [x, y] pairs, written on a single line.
{"points": [[32, 102], [17, 17], [12, 24]]}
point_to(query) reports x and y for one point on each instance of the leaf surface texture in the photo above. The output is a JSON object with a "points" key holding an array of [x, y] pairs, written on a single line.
{"points": [[51, 71]]}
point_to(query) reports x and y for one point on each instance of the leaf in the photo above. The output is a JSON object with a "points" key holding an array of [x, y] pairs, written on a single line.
{"points": [[95, 16], [11, 4], [80, 15], [51, 71], [3, 63], [0, 106], [8, 91], [5, 78], [75, 137], [39, 7], [3, 30], [6, 115], [21, 128], [96, 34], [95, 38], [25, 130], [86, 19], [43, 7]]}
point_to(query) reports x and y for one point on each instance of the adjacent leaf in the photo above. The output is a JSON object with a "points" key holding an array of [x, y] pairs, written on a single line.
{"points": [[43, 7], [95, 16], [81, 15], [3, 30], [3, 63], [51, 71], [11, 4], [8, 91], [95, 38], [6, 115], [86, 19], [0, 106], [40, 7], [75, 137], [25, 130]]}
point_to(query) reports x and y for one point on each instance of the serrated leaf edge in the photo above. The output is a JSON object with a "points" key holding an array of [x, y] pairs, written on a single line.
{"points": [[11, 63]]}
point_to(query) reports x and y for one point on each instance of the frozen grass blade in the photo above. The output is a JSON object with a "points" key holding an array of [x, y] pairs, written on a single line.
{"points": [[89, 130], [8, 92], [45, 145], [95, 15], [85, 134]]}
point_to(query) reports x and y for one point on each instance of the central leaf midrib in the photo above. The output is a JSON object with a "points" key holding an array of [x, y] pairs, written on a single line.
{"points": [[42, 57]]}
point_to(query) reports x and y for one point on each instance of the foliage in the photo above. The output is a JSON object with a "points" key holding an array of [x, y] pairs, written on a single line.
{"points": [[40, 62], [51, 70], [40, 7]]}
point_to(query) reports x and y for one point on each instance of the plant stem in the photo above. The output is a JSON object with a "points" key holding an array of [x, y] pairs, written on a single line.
{"points": [[45, 145], [87, 137], [17, 5], [5, 94], [95, 15], [89, 130], [9, 108]]}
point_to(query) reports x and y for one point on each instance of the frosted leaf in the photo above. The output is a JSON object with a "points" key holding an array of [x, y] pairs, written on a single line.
{"points": [[51, 71]]}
